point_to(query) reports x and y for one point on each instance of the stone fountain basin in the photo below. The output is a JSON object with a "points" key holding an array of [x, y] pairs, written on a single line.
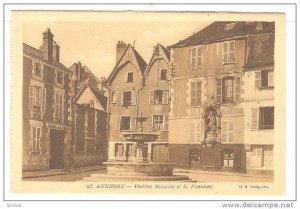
{"points": [[139, 169]]}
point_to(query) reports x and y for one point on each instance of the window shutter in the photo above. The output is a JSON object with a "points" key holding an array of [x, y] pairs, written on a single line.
{"points": [[224, 131], [230, 131], [44, 101], [40, 137], [219, 91], [132, 124], [151, 97], [150, 125], [271, 78], [118, 124], [255, 119], [199, 57], [198, 93], [225, 52], [133, 98], [30, 97], [165, 97], [166, 122], [122, 98], [193, 58], [193, 93], [257, 79], [237, 89], [232, 52]]}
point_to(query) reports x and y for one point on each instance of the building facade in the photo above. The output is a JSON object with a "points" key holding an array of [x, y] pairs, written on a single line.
{"points": [[210, 70], [47, 132], [259, 103], [136, 88]]}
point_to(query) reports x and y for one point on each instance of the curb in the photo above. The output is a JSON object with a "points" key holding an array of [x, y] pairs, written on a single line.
{"points": [[61, 173]]}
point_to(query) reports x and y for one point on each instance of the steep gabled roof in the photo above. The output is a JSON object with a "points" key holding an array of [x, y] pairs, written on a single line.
{"points": [[261, 50], [125, 58], [220, 30], [160, 52], [101, 99]]}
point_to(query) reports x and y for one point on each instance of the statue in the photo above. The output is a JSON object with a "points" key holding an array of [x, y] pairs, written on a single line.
{"points": [[211, 122]]}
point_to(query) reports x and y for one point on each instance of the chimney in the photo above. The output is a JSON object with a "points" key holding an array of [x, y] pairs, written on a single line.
{"points": [[48, 45], [56, 48], [120, 49]]}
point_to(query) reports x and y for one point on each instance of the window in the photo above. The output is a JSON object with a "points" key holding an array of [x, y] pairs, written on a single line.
{"points": [[227, 132], [229, 52], [197, 57], [113, 97], [36, 137], [228, 158], [130, 152], [92, 103], [159, 97], [125, 123], [59, 77], [195, 131], [264, 79], [127, 98], [119, 149], [160, 123], [163, 74], [262, 156], [37, 98], [130, 77], [227, 90], [37, 69], [266, 117], [195, 93], [59, 106]]}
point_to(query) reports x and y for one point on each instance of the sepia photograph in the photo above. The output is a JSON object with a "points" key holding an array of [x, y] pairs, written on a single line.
{"points": [[133, 102]]}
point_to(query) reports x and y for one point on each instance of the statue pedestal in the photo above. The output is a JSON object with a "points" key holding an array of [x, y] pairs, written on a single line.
{"points": [[211, 155]]}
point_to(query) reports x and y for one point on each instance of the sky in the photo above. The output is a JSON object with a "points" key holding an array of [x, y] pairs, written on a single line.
{"points": [[94, 43]]}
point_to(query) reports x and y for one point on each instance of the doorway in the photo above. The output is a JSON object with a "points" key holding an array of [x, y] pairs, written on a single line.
{"points": [[56, 149], [195, 159]]}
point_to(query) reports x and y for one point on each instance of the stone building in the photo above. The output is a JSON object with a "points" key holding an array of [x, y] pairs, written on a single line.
{"points": [[259, 103], [47, 132], [136, 88], [210, 77], [90, 127], [89, 117]]}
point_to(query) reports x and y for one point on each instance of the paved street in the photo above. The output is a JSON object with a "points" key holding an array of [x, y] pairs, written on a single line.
{"points": [[194, 175]]}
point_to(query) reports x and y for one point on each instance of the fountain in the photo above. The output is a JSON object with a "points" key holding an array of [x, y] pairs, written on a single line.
{"points": [[139, 169]]}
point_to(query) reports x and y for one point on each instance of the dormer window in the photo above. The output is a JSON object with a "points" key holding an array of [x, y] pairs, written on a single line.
{"points": [[37, 69], [229, 26], [130, 77], [92, 103]]}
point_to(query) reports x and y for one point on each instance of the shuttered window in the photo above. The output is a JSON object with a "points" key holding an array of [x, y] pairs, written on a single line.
{"points": [[228, 90], [256, 159], [159, 96], [195, 93], [229, 52], [195, 132], [227, 132], [197, 57], [37, 98], [128, 98], [36, 138]]}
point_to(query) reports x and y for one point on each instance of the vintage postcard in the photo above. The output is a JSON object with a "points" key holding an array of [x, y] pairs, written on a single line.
{"points": [[148, 103]]}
